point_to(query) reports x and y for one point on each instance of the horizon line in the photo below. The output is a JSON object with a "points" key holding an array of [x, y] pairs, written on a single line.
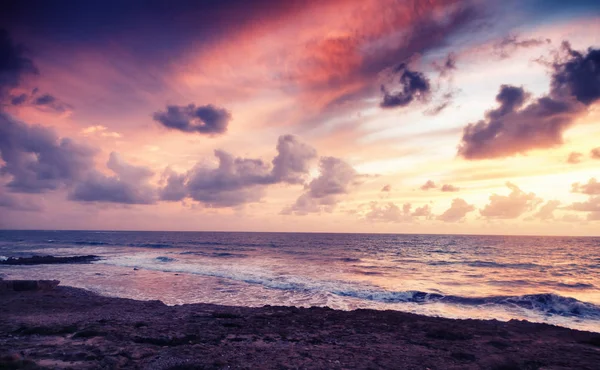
{"points": [[296, 232]]}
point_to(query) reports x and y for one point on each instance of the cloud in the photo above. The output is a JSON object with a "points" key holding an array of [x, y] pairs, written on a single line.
{"points": [[129, 185], [42, 102], [510, 206], [595, 153], [13, 64], [450, 188], [546, 212], [323, 193], [457, 211], [428, 185], [206, 119], [591, 188], [45, 99], [516, 128], [387, 188], [569, 217], [423, 211], [390, 212], [101, 131], [578, 75], [509, 44], [292, 161], [236, 181], [19, 99], [37, 160], [12, 202], [574, 157], [592, 205], [413, 85], [447, 67]]}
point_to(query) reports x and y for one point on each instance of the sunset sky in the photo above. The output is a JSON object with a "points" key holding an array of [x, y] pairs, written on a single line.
{"points": [[475, 117]]}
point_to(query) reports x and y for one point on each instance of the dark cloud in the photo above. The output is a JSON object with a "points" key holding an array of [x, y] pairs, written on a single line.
{"points": [[450, 188], [574, 157], [457, 211], [292, 161], [595, 153], [175, 188], [19, 99], [45, 99], [578, 75], [387, 188], [510, 206], [206, 119], [509, 44], [129, 185], [592, 187], [516, 128], [37, 160], [507, 131], [151, 30], [546, 212], [42, 102], [13, 64], [336, 178], [236, 181], [412, 85], [428, 185]]}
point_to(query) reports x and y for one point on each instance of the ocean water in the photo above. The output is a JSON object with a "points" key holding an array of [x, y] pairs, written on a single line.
{"points": [[554, 280]]}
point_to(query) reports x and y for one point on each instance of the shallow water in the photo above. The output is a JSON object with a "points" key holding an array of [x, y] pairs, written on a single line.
{"points": [[543, 279]]}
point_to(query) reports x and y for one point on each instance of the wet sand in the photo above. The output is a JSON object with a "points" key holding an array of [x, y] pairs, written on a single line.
{"points": [[73, 328]]}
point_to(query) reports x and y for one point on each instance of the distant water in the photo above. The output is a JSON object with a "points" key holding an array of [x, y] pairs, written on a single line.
{"points": [[544, 279]]}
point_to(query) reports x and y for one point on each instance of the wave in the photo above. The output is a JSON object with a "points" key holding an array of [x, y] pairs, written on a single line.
{"points": [[548, 304], [489, 264], [165, 259], [90, 242], [215, 254], [350, 259], [150, 245], [545, 303]]}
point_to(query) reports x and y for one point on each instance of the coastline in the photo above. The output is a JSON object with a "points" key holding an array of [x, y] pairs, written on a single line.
{"points": [[73, 328]]}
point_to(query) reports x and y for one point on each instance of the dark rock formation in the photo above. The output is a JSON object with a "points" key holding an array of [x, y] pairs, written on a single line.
{"points": [[74, 328], [47, 260], [27, 285]]}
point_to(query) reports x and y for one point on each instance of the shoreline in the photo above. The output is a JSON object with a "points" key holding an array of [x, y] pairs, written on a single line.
{"points": [[73, 328]]}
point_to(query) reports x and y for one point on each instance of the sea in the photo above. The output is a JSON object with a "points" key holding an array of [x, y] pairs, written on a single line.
{"points": [[554, 280]]}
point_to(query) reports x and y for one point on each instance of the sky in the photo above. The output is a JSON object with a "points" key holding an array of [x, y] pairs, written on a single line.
{"points": [[376, 116]]}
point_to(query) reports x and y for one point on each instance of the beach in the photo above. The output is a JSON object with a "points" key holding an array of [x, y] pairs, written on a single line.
{"points": [[67, 327]]}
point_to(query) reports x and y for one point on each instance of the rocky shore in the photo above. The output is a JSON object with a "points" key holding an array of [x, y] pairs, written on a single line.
{"points": [[48, 260], [72, 328]]}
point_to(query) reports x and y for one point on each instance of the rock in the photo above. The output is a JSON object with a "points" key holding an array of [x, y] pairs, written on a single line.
{"points": [[27, 285], [47, 260]]}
